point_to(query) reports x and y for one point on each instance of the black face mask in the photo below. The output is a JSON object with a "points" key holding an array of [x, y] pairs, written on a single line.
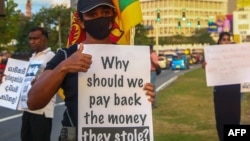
{"points": [[99, 28]]}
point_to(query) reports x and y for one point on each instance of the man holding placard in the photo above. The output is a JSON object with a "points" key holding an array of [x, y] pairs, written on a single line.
{"points": [[37, 125], [97, 17]]}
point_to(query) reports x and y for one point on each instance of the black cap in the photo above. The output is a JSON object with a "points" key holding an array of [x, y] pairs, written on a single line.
{"points": [[86, 5]]}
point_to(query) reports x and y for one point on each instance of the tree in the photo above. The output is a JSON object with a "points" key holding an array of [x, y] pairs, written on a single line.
{"points": [[141, 36], [50, 18], [201, 36], [10, 26]]}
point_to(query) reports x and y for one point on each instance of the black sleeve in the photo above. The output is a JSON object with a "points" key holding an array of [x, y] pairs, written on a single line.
{"points": [[61, 55], [57, 59]]}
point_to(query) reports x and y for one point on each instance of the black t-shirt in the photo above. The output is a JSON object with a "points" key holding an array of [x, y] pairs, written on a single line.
{"points": [[229, 92], [69, 85], [234, 88]]}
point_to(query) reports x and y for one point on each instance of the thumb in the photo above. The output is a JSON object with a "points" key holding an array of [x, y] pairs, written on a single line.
{"points": [[80, 49]]}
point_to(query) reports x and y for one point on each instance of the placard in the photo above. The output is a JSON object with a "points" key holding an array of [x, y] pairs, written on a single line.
{"points": [[33, 69], [245, 87], [227, 64], [112, 103], [13, 81]]}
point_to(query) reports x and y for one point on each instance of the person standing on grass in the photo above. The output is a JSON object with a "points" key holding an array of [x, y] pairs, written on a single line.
{"points": [[227, 98], [62, 70], [154, 63], [37, 125]]}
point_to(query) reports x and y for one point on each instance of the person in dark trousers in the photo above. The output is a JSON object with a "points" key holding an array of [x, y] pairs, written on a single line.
{"points": [[37, 125], [64, 67], [227, 99]]}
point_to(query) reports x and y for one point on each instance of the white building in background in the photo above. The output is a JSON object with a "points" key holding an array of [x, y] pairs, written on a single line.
{"points": [[241, 21], [172, 13], [241, 26]]}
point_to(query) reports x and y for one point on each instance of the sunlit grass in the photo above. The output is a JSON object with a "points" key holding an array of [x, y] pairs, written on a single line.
{"points": [[185, 110]]}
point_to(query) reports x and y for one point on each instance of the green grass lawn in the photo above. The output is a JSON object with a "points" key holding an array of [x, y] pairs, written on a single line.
{"points": [[185, 110]]}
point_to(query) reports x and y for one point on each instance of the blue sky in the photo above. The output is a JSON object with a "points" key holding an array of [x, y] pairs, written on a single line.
{"points": [[38, 4]]}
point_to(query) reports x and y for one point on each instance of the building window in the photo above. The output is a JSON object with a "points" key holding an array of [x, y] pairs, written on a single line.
{"points": [[243, 17], [243, 26]]}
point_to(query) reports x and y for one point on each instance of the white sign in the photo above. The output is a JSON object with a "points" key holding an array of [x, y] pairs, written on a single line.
{"points": [[112, 104], [245, 87], [33, 69], [227, 64], [13, 81]]}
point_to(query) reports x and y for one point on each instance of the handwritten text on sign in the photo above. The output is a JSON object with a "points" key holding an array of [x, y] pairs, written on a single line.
{"points": [[113, 105], [227, 64]]}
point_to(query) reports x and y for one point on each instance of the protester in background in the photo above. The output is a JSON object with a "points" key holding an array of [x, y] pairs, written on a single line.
{"points": [[3, 61], [37, 125], [64, 67], [2, 68], [4, 57], [154, 63], [227, 98]]}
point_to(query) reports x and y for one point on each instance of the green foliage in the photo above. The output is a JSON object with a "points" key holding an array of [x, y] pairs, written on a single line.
{"points": [[200, 36], [53, 18], [10, 25], [50, 18], [16, 26], [22, 38], [61, 15], [141, 36]]}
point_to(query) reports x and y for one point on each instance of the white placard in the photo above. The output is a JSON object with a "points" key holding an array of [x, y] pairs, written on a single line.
{"points": [[31, 74], [245, 87], [112, 104], [13, 81], [227, 64]]}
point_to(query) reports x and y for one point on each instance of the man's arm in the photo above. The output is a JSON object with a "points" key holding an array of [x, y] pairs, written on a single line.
{"points": [[50, 80]]}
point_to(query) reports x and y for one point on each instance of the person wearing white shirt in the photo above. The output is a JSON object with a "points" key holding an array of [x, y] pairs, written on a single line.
{"points": [[37, 125]]}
